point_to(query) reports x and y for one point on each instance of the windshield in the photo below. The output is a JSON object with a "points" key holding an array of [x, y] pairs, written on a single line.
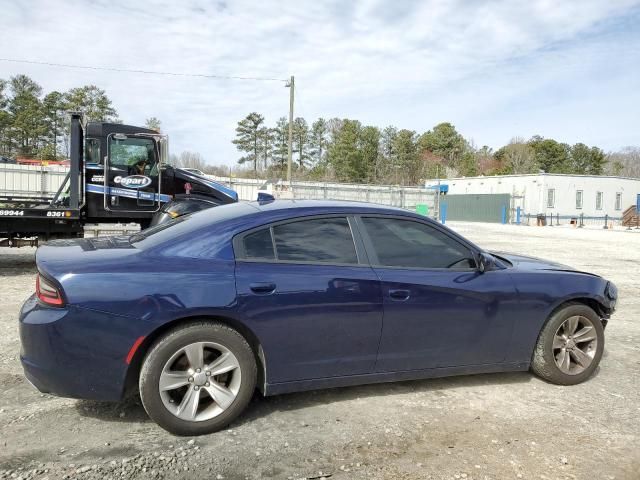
{"points": [[133, 154]]}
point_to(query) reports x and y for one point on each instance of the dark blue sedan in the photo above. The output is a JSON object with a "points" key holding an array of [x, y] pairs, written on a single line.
{"points": [[296, 295]]}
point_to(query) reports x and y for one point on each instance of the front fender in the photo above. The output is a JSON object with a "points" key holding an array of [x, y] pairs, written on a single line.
{"points": [[542, 292]]}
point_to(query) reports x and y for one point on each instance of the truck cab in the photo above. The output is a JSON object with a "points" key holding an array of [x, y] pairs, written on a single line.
{"points": [[118, 174]]}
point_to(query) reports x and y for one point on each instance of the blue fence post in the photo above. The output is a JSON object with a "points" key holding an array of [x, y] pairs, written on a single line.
{"points": [[443, 213], [518, 216], [504, 214], [581, 220], [606, 220]]}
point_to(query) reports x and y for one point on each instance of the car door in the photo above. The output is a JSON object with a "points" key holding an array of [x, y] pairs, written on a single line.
{"points": [[306, 290], [132, 174], [439, 310]]}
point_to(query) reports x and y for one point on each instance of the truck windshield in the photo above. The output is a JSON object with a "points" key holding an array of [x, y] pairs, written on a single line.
{"points": [[134, 155]]}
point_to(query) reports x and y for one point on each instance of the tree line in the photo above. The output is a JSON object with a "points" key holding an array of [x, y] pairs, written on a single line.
{"points": [[346, 150], [35, 124]]}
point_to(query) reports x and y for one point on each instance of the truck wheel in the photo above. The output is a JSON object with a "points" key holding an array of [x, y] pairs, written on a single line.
{"points": [[570, 345], [198, 378]]}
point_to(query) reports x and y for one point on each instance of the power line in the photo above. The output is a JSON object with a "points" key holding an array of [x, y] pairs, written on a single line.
{"points": [[145, 72]]}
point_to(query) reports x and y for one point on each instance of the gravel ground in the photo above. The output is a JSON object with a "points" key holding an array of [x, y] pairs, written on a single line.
{"points": [[497, 426]]}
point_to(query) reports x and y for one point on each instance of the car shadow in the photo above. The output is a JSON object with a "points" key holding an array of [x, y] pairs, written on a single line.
{"points": [[262, 406], [131, 410]]}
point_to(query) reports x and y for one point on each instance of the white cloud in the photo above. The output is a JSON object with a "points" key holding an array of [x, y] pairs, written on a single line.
{"points": [[496, 69]]}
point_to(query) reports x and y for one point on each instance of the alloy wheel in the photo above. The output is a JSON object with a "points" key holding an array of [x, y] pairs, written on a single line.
{"points": [[200, 381], [575, 344]]}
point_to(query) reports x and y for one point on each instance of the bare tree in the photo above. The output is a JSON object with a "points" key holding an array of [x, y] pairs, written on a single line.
{"points": [[518, 156], [188, 160], [625, 163]]}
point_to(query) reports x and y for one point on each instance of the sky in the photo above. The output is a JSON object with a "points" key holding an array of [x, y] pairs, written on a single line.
{"points": [[566, 70]]}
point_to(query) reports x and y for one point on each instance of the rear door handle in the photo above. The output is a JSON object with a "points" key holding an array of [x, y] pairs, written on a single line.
{"points": [[262, 287], [400, 295]]}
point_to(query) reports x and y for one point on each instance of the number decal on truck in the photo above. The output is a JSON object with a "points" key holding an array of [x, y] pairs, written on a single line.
{"points": [[11, 213], [57, 214]]}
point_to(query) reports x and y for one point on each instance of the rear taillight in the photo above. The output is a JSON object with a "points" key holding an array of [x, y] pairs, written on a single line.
{"points": [[48, 293]]}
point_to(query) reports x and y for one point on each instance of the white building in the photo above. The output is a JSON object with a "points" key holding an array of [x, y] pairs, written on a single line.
{"points": [[550, 193]]}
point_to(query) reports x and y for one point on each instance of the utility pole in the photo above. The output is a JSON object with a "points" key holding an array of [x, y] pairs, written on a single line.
{"points": [[437, 209], [291, 86], [55, 133]]}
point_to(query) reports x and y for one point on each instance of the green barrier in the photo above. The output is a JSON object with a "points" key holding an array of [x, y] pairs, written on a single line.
{"points": [[422, 209]]}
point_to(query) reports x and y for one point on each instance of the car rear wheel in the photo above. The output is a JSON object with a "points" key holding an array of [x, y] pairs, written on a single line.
{"points": [[570, 345], [198, 378]]}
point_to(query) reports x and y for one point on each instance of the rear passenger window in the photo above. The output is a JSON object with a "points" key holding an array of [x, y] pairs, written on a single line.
{"points": [[321, 240], [258, 245]]}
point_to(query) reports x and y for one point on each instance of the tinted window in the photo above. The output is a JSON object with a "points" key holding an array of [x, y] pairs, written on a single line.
{"points": [[403, 243], [321, 240], [258, 245]]}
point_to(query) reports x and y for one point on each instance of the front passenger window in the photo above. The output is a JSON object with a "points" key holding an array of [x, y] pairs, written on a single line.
{"points": [[405, 243]]}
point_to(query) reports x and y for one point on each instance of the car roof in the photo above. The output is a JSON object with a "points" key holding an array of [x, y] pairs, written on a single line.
{"points": [[328, 206], [209, 231]]}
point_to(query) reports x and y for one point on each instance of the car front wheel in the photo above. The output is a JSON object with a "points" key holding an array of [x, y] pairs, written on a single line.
{"points": [[570, 345], [198, 378]]}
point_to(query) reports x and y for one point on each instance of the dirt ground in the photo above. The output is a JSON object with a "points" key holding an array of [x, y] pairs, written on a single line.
{"points": [[497, 426]]}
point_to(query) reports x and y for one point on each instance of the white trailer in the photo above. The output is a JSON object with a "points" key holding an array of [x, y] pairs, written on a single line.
{"points": [[551, 194]]}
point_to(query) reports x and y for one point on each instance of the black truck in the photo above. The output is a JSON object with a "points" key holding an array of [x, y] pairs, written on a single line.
{"points": [[118, 175]]}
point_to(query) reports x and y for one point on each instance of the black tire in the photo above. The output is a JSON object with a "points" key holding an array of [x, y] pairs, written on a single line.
{"points": [[165, 347], [544, 363]]}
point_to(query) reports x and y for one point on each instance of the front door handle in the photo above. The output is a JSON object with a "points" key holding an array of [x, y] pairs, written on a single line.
{"points": [[399, 295], [262, 288]]}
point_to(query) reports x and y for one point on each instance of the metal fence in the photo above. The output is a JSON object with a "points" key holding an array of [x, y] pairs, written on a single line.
{"points": [[581, 220], [29, 180], [22, 180], [393, 195]]}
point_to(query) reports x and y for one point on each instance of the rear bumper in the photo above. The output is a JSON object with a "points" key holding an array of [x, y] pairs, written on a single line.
{"points": [[72, 352]]}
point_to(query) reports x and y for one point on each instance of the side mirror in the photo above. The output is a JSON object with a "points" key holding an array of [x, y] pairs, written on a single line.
{"points": [[484, 262]]}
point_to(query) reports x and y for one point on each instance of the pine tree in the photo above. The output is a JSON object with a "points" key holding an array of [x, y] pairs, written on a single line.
{"points": [[301, 141], [266, 138], [280, 144], [318, 141], [551, 156], [407, 165], [444, 141], [25, 110], [153, 123], [343, 154], [387, 153], [370, 146], [54, 121], [248, 139], [93, 102], [585, 160]]}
